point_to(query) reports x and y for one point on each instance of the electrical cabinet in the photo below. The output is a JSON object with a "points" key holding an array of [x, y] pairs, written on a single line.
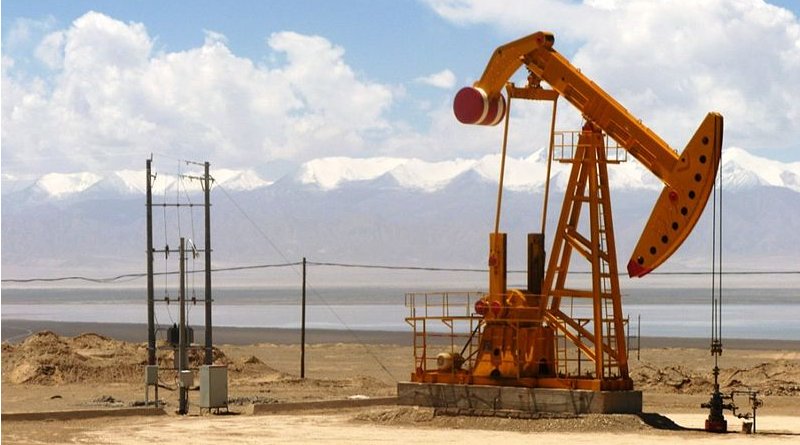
{"points": [[151, 375], [213, 386]]}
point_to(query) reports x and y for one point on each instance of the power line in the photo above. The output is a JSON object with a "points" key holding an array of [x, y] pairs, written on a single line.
{"points": [[350, 330], [118, 278], [255, 226], [386, 267], [519, 271], [132, 276]]}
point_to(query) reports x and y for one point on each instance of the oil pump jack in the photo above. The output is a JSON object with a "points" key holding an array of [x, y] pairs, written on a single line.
{"points": [[555, 334]]}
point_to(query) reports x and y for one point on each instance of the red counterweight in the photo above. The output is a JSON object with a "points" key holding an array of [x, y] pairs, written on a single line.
{"points": [[472, 106]]}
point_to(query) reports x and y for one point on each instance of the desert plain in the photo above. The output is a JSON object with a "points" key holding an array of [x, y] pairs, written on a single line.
{"points": [[78, 370]]}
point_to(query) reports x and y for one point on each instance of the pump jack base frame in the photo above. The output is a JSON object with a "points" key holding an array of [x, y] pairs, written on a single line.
{"points": [[514, 398], [589, 384]]}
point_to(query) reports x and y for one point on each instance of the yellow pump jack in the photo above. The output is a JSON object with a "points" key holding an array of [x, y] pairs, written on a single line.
{"points": [[555, 334]]}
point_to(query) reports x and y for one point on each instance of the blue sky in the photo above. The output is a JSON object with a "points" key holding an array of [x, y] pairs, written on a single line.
{"points": [[247, 83], [370, 31]]}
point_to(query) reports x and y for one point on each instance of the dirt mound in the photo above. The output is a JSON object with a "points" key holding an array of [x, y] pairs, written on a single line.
{"points": [[249, 368], [196, 357], [397, 416], [47, 358], [670, 378], [780, 377]]}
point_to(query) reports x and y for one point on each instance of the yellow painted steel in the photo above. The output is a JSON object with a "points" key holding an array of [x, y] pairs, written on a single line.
{"points": [[526, 339], [675, 213], [497, 266], [681, 203], [604, 344]]}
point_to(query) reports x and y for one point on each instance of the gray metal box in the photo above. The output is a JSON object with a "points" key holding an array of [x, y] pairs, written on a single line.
{"points": [[213, 386], [151, 375], [186, 378]]}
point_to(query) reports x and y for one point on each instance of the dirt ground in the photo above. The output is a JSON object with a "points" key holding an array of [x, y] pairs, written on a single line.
{"points": [[48, 372]]}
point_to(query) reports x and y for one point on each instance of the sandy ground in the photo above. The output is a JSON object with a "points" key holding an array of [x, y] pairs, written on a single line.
{"points": [[349, 426], [345, 428], [56, 373]]}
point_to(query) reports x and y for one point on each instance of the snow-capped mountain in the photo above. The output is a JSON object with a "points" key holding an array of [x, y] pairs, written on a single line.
{"points": [[740, 170], [60, 185], [239, 180], [379, 210], [121, 183], [522, 174]]}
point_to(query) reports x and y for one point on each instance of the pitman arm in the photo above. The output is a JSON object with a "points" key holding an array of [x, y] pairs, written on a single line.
{"points": [[688, 177]]}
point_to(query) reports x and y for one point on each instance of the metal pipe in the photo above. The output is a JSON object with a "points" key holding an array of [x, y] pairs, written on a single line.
{"points": [[502, 167], [549, 164], [639, 337]]}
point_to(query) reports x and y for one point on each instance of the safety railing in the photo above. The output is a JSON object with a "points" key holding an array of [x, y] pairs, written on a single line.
{"points": [[443, 322], [571, 360], [565, 145]]}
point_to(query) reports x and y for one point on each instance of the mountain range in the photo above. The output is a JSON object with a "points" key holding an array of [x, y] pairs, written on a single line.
{"points": [[383, 210]]}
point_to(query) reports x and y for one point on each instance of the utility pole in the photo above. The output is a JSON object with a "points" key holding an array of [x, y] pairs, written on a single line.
{"points": [[182, 332], [185, 376], [303, 327], [151, 330], [207, 250]]}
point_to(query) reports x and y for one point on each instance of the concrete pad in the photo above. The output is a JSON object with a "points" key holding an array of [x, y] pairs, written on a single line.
{"points": [[83, 414], [532, 400], [271, 408]]}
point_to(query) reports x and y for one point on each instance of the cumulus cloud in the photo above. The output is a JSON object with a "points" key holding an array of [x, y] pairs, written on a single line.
{"points": [[444, 79], [25, 30], [671, 62], [51, 50], [338, 106], [112, 96]]}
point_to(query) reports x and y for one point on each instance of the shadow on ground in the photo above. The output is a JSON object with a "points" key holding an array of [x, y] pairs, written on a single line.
{"points": [[660, 422]]}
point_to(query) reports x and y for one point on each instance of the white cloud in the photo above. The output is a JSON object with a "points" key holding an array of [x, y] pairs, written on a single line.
{"points": [[7, 62], [603, 4], [671, 62], [444, 79], [112, 98], [338, 107], [213, 37], [51, 50], [24, 30], [96, 42], [514, 16]]}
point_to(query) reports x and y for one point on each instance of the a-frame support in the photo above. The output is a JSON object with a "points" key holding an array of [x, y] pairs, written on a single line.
{"points": [[597, 330]]}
